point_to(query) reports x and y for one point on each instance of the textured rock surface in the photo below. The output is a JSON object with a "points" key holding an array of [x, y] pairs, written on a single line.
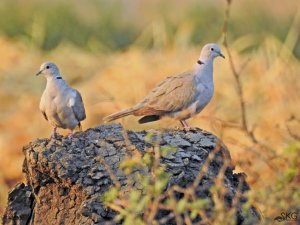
{"points": [[68, 177]]}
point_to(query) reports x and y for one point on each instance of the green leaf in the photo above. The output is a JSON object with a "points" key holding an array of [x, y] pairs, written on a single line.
{"points": [[118, 217], [159, 186], [181, 205], [292, 149], [147, 159], [194, 214], [167, 150], [134, 196], [290, 174], [148, 138], [199, 204], [110, 195]]}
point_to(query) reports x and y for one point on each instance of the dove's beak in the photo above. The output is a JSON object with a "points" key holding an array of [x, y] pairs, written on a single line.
{"points": [[220, 54], [38, 73]]}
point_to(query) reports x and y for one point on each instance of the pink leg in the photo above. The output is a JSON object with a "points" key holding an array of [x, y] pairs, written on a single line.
{"points": [[70, 136], [74, 131], [185, 124]]}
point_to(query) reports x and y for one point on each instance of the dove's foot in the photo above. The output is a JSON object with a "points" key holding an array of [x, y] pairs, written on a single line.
{"points": [[177, 128], [71, 135], [187, 129], [191, 129]]}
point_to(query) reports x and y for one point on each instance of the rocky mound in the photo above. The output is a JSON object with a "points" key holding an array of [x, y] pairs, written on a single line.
{"points": [[66, 178]]}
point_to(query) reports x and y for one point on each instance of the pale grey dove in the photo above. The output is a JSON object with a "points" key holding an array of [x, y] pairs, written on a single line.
{"points": [[181, 96], [60, 104]]}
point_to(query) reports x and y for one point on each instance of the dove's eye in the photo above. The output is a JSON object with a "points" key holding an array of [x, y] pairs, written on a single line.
{"points": [[47, 67], [212, 49]]}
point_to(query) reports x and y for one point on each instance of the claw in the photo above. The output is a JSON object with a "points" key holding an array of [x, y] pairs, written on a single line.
{"points": [[70, 136], [187, 129], [177, 128]]}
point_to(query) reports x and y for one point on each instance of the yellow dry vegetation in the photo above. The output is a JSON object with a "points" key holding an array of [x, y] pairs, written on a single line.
{"points": [[115, 81]]}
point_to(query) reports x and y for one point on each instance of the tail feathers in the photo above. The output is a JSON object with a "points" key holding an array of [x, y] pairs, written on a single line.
{"points": [[147, 119], [118, 115]]}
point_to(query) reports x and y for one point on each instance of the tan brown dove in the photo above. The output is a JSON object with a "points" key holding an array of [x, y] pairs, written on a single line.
{"points": [[179, 97]]}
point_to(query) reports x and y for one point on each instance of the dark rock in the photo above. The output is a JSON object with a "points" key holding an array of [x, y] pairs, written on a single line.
{"points": [[65, 179], [20, 204]]}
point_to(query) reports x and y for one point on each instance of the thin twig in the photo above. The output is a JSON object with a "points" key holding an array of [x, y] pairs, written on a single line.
{"points": [[291, 133], [245, 126], [233, 69]]}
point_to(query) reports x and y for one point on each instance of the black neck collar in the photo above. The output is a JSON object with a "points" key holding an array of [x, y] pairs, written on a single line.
{"points": [[58, 78], [200, 62]]}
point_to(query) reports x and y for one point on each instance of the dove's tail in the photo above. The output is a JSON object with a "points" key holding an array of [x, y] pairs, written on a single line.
{"points": [[118, 115]]}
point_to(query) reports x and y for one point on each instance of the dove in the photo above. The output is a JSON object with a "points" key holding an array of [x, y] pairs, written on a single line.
{"points": [[181, 96], [61, 105]]}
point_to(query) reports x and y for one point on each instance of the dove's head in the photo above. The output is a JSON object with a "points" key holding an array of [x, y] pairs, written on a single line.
{"points": [[210, 51], [48, 69]]}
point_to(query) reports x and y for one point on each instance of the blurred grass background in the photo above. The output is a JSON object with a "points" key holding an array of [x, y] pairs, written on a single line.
{"points": [[114, 52]]}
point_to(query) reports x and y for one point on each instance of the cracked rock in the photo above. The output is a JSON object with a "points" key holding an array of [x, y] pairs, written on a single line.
{"points": [[70, 176]]}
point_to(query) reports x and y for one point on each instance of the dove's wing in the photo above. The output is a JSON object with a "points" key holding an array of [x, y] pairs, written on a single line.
{"points": [[76, 103], [42, 107], [171, 95]]}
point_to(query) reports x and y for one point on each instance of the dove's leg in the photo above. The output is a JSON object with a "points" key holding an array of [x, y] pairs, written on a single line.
{"points": [[74, 131], [79, 126], [185, 125], [54, 133]]}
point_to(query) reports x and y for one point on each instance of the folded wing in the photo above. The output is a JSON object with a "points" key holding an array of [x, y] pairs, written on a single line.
{"points": [[171, 95], [77, 106]]}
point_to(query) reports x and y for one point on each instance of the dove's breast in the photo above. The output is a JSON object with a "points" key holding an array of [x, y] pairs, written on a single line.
{"points": [[204, 95], [55, 103]]}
